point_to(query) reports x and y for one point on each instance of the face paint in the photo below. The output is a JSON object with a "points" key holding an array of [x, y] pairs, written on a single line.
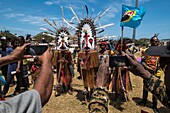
{"points": [[62, 39], [86, 35]]}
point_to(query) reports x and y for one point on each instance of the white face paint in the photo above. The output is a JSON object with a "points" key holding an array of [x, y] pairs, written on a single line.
{"points": [[86, 36], [87, 40], [62, 40]]}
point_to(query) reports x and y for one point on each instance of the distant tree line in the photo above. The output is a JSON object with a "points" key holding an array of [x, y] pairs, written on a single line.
{"points": [[40, 36]]}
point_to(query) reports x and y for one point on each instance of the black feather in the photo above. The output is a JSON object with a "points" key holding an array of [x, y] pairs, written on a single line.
{"points": [[87, 11]]}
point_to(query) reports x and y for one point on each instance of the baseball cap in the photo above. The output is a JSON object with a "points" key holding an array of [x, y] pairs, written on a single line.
{"points": [[3, 38], [162, 51]]}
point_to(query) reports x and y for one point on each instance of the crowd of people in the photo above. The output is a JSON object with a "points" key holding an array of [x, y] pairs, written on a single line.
{"points": [[93, 67]]}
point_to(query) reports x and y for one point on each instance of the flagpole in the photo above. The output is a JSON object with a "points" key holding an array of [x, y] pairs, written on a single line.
{"points": [[134, 29], [121, 39], [121, 43]]}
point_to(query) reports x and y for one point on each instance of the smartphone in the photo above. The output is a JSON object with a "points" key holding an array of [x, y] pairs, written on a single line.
{"points": [[36, 50], [118, 61]]}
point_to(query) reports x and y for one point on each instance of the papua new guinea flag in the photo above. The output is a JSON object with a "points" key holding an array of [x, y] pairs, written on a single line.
{"points": [[131, 16]]}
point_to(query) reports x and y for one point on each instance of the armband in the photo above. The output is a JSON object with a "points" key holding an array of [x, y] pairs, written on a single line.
{"points": [[153, 83]]}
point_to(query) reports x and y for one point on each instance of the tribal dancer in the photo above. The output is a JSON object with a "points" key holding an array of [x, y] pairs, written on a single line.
{"points": [[88, 57], [62, 61]]}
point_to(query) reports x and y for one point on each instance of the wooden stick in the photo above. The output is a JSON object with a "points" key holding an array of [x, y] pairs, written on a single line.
{"points": [[81, 72], [121, 82]]}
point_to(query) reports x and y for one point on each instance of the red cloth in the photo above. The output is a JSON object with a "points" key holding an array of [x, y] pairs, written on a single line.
{"points": [[33, 68]]}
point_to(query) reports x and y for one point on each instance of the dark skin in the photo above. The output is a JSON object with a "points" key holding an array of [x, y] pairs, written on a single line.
{"points": [[16, 55], [44, 82], [102, 48], [155, 41], [137, 69]]}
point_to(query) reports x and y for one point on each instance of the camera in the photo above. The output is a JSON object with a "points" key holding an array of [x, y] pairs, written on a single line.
{"points": [[118, 61], [35, 50]]}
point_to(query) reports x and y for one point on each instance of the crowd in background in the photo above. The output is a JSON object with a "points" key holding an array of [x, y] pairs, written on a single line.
{"points": [[17, 73]]}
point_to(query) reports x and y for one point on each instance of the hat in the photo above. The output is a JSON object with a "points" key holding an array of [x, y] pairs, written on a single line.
{"points": [[104, 43], [3, 38], [162, 51]]}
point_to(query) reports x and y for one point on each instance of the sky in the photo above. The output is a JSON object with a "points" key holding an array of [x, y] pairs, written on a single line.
{"points": [[26, 16]]}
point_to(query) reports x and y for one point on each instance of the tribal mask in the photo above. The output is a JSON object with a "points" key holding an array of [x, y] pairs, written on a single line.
{"points": [[86, 35], [62, 39]]}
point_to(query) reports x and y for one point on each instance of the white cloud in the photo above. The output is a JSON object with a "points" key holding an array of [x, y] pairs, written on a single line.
{"points": [[93, 1], [110, 15], [52, 2], [115, 7], [52, 18], [114, 10], [22, 31], [32, 19], [49, 3], [143, 1], [74, 6], [133, 2], [129, 2], [12, 15], [37, 20]]}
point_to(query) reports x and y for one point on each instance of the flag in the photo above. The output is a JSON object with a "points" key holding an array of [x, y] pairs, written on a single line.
{"points": [[131, 16]]}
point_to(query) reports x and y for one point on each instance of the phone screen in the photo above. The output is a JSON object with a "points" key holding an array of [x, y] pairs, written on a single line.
{"points": [[118, 61], [36, 50]]}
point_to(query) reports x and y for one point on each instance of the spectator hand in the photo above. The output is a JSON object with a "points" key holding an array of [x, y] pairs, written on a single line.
{"points": [[18, 70], [18, 53], [136, 68], [46, 57]]}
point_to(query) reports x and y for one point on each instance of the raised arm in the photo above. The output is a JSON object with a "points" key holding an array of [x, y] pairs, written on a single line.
{"points": [[44, 82], [154, 85], [16, 55]]}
